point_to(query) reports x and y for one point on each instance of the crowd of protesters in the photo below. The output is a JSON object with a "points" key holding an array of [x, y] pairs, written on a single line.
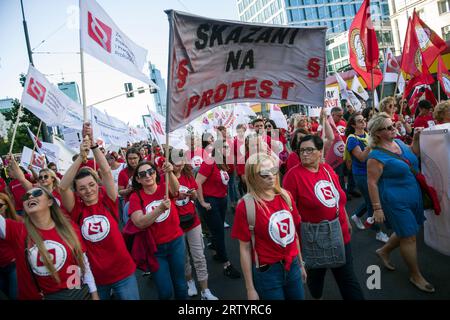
{"points": [[140, 207]]}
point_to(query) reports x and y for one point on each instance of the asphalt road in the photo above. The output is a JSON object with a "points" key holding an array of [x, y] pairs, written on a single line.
{"points": [[394, 284]]}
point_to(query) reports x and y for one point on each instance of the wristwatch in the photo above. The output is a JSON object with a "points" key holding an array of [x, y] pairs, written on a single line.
{"points": [[302, 263], [94, 147]]}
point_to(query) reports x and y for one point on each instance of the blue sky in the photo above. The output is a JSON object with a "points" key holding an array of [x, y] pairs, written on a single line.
{"points": [[56, 22]]}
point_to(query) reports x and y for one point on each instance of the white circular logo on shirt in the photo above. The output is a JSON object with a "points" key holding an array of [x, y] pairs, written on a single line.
{"points": [[431, 123], [95, 228], [57, 255], [326, 193], [196, 161], [225, 177], [339, 148], [341, 130], [152, 206], [185, 201], [281, 228]]}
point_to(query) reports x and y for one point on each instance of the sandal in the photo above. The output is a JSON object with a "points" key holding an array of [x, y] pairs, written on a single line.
{"points": [[426, 288], [387, 264]]}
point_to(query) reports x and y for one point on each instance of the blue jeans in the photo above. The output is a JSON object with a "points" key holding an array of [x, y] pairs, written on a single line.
{"points": [[361, 183], [278, 284], [125, 289], [214, 219], [125, 216], [8, 280], [170, 275], [232, 191]]}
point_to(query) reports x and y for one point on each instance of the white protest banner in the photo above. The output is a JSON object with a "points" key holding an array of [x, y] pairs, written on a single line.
{"points": [[342, 86], [72, 138], [102, 39], [65, 155], [314, 111], [214, 62], [157, 124], [38, 160], [48, 103], [354, 101], [332, 97], [50, 150], [359, 89], [278, 117], [109, 129]]}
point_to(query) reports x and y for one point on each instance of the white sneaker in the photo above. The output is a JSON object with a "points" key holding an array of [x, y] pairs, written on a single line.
{"points": [[358, 222], [207, 295], [381, 236], [192, 289], [226, 225]]}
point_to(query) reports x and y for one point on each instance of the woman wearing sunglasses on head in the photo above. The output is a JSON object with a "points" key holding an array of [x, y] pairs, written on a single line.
{"points": [[395, 193], [277, 270], [50, 257], [321, 203], [149, 208], [94, 208]]}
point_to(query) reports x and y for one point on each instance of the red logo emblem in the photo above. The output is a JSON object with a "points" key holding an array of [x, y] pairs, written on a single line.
{"points": [[36, 90], [40, 259], [100, 32], [95, 228], [283, 227], [327, 193]]}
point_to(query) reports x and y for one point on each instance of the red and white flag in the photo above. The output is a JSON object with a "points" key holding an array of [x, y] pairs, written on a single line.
{"points": [[391, 67], [34, 138], [278, 117], [102, 39], [157, 125], [335, 155], [443, 76]]}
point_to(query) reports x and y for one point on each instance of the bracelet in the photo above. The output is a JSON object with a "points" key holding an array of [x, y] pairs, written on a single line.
{"points": [[378, 210], [375, 203], [94, 147]]}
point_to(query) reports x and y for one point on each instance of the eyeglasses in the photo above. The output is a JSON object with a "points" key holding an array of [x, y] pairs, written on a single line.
{"points": [[390, 128], [143, 174], [268, 126], [35, 193], [44, 177], [308, 150], [269, 172]]}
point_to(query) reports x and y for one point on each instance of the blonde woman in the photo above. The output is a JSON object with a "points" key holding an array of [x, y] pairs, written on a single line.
{"points": [[388, 106], [395, 194], [48, 251], [278, 272], [442, 112]]}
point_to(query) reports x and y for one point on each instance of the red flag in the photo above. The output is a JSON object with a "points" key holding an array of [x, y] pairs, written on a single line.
{"points": [[430, 43], [34, 138], [363, 46], [443, 76]]}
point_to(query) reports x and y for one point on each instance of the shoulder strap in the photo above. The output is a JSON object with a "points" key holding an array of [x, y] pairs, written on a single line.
{"points": [[251, 218], [334, 188], [397, 156]]}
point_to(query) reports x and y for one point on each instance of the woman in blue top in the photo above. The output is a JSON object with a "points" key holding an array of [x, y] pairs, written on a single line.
{"points": [[357, 146], [395, 193]]}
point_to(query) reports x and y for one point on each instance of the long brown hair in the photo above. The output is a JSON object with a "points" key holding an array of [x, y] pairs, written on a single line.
{"points": [[10, 212], [65, 231]]}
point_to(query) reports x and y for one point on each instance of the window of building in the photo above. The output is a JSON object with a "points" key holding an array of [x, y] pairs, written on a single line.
{"points": [[343, 50], [241, 7], [348, 11], [257, 5], [279, 4], [336, 54], [446, 33], [329, 55], [281, 16], [387, 38], [444, 6]]}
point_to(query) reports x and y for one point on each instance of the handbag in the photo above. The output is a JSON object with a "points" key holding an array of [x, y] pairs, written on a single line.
{"points": [[323, 243], [186, 221]]}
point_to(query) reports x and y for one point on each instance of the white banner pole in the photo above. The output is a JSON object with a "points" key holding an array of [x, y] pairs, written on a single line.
{"points": [[19, 114]]}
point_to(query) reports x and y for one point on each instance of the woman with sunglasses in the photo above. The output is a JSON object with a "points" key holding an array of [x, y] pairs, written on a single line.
{"points": [[388, 106], [8, 275], [94, 208], [277, 270], [149, 208], [212, 181], [395, 194], [46, 246], [190, 223], [133, 157], [319, 196]]}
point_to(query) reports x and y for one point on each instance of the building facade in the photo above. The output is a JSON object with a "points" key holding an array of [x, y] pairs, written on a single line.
{"points": [[435, 13], [159, 96], [6, 104]]}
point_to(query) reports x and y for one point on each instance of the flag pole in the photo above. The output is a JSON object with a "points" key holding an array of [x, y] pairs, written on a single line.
{"points": [[373, 91], [396, 83], [19, 114], [35, 142], [83, 87], [439, 91]]}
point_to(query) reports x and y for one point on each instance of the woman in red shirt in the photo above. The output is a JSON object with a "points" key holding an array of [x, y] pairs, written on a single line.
{"points": [[318, 198], [94, 209], [8, 275], [149, 208], [133, 157], [212, 180], [277, 271], [46, 247]]}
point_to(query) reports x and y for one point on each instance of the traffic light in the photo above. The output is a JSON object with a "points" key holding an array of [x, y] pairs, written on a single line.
{"points": [[141, 90], [129, 89]]}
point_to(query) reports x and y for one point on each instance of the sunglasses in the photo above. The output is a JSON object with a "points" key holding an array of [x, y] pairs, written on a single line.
{"points": [[390, 128], [268, 126], [267, 173], [361, 120], [44, 177], [308, 150], [35, 193], [143, 174]]}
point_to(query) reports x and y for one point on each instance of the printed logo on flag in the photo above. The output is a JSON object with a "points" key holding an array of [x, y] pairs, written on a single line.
{"points": [[392, 63], [326, 193], [99, 32], [281, 228], [152, 206], [57, 254], [36, 90], [418, 60], [357, 47], [95, 228], [424, 37]]}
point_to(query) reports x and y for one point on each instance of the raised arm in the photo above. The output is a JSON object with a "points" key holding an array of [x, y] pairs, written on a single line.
{"points": [[14, 167]]}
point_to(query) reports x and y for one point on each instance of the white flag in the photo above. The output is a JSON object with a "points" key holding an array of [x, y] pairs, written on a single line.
{"points": [[109, 129], [342, 86], [65, 155], [359, 89], [38, 161], [217, 62], [391, 67], [278, 117], [354, 101], [102, 39], [375, 97], [50, 104], [157, 125]]}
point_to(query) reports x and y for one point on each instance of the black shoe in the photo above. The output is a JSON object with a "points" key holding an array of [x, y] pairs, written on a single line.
{"points": [[355, 193], [231, 272], [211, 246], [217, 258]]}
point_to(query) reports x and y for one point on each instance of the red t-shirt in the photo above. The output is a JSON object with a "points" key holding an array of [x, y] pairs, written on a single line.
{"points": [[125, 180], [16, 235], [59, 175], [186, 206], [91, 164], [167, 227], [2, 185], [275, 230], [108, 255], [216, 184], [316, 197], [18, 191], [424, 121], [239, 152], [6, 253], [292, 160]]}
